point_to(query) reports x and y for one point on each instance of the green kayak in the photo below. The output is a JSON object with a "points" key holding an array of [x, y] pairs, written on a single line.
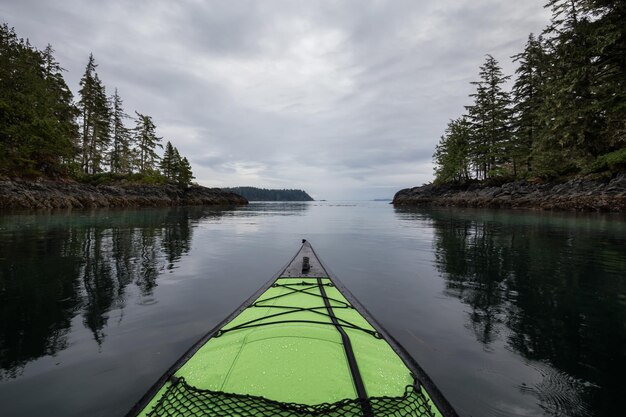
{"points": [[301, 346]]}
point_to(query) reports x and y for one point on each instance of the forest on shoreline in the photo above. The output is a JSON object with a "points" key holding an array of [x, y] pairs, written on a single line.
{"points": [[44, 132], [565, 113], [262, 194]]}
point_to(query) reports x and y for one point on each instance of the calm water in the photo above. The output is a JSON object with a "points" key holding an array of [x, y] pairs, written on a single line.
{"points": [[511, 313]]}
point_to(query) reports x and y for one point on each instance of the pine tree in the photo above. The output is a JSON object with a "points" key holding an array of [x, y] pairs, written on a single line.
{"points": [[36, 110], [575, 120], [147, 142], [176, 164], [490, 120], [87, 86], [61, 104], [101, 139], [478, 146], [185, 175], [168, 162], [607, 31], [95, 116], [528, 100], [121, 152], [61, 112], [451, 154]]}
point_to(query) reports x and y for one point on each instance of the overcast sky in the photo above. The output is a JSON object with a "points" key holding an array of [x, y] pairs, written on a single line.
{"points": [[345, 99]]}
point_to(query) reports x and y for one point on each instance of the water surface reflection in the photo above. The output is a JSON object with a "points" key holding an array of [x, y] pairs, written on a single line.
{"points": [[81, 265], [511, 313], [274, 208], [551, 287]]}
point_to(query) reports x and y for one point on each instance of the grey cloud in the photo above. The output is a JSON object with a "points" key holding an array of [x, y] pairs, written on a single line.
{"points": [[346, 99]]}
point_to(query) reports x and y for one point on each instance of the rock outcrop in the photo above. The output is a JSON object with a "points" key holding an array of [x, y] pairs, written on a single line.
{"points": [[58, 194], [578, 194]]}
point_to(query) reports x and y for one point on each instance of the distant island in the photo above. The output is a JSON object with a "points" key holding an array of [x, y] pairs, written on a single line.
{"points": [[556, 138], [262, 194]]}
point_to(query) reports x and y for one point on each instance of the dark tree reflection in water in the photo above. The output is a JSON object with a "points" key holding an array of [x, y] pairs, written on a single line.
{"points": [[556, 295], [37, 307], [80, 268]]}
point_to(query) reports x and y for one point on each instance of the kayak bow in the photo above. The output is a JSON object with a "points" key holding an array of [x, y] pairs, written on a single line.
{"points": [[301, 346]]}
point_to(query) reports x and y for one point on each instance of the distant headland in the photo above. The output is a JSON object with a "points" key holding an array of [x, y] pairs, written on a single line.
{"points": [[262, 194]]}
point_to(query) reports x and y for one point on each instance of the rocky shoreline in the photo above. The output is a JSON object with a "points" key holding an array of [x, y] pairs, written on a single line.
{"points": [[578, 194], [19, 194]]}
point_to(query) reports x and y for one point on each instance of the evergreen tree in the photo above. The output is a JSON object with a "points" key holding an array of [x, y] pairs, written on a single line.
{"points": [[101, 139], [169, 164], [607, 31], [184, 174], [489, 117], [175, 168], [176, 164], [528, 101], [572, 89], [478, 146], [87, 86], [147, 142], [61, 104], [121, 151], [451, 154], [95, 116], [36, 111]]}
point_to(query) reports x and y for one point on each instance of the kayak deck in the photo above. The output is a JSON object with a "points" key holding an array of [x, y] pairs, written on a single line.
{"points": [[300, 348]]}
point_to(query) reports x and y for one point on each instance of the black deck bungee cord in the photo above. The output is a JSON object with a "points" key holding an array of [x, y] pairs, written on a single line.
{"points": [[258, 322]]}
